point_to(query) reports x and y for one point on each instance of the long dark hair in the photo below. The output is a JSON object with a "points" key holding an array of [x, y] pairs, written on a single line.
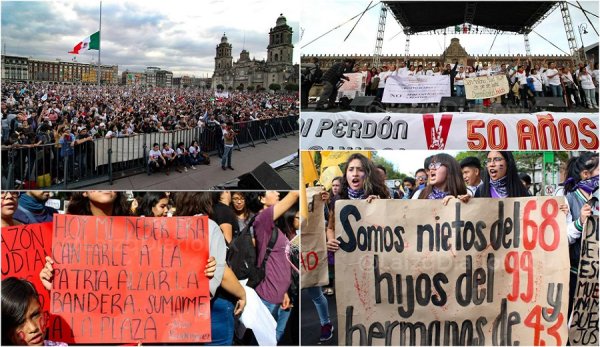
{"points": [[514, 186], [16, 295], [285, 223], [576, 165], [373, 184], [193, 203], [245, 211], [80, 205], [149, 200], [455, 185]]}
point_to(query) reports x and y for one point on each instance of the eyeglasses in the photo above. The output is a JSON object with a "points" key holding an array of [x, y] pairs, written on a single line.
{"points": [[435, 166], [4, 194], [421, 178], [493, 160], [239, 199]]}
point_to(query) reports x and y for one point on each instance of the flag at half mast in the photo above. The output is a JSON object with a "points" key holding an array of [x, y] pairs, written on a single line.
{"points": [[90, 42]]}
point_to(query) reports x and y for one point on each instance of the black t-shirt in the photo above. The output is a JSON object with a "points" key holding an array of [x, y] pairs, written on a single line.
{"points": [[223, 214]]}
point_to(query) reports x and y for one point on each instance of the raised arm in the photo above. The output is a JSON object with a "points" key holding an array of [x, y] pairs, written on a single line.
{"points": [[285, 204]]}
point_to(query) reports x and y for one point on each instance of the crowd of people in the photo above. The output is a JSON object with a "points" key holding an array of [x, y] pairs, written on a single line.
{"points": [[445, 178], [56, 125], [527, 79], [230, 214]]}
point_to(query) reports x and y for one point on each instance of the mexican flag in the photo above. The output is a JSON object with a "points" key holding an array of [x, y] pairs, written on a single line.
{"points": [[90, 42]]}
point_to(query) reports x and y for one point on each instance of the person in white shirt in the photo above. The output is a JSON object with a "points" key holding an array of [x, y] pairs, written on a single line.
{"points": [[553, 76], [589, 89], [183, 157], [170, 157], [536, 78], [155, 159], [521, 77], [459, 82], [382, 77]]}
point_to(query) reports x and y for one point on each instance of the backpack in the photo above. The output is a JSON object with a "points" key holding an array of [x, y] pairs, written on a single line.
{"points": [[242, 257]]}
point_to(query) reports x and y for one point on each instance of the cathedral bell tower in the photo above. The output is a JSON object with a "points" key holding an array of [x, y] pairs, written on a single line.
{"points": [[280, 48], [223, 59]]}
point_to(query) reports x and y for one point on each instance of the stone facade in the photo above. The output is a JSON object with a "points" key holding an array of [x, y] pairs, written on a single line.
{"points": [[15, 68], [454, 52], [246, 72]]}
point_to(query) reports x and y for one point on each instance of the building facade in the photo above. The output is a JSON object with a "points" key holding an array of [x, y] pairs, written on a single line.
{"points": [[251, 73], [454, 52], [16, 68]]}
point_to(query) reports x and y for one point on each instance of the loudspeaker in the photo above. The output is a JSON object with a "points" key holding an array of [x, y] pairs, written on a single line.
{"points": [[550, 103], [261, 178], [366, 104], [453, 103]]}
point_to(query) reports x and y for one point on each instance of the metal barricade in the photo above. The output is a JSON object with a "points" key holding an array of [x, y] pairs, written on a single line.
{"points": [[90, 162]]}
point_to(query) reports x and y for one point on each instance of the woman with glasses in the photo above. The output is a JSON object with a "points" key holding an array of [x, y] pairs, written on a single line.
{"points": [[501, 177], [10, 203], [241, 210], [23, 321], [445, 180]]}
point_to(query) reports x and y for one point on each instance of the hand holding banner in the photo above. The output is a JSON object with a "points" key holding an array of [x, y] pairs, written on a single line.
{"points": [[124, 279], [493, 271]]}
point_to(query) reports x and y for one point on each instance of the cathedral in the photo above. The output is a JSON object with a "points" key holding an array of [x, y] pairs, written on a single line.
{"points": [[278, 69]]}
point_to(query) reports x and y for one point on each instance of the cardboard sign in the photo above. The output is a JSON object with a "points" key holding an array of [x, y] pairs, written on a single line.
{"points": [[353, 87], [583, 325], [486, 87], [129, 279], [416, 89], [313, 259], [490, 272]]}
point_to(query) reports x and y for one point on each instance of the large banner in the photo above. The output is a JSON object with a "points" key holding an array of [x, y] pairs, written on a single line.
{"points": [[354, 87], [314, 249], [416, 89], [489, 272], [486, 87], [129, 279], [449, 130], [583, 325]]}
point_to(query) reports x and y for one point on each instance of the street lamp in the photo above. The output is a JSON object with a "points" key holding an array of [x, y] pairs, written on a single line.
{"points": [[582, 28]]}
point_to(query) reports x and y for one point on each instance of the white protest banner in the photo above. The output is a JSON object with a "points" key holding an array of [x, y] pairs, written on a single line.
{"points": [[489, 272], [449, 130], [486, 87], [583, 325], [416, 89], [314, 249], [354, 87], [222, 94]]}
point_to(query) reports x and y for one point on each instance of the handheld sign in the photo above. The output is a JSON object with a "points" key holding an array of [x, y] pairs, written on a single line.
{"points": [[24, 249], [313, 259], [489, 272], [126, 279], [583, 325]]}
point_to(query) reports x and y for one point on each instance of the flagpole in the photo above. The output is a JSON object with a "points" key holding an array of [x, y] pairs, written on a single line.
{"points": [[100, 43]]}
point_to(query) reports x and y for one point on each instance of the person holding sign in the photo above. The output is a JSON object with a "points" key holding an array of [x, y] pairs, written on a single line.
{"points": [[361, 181], [9, 206], [579, 187], [445, 180], [501, 177], [23, 321]]}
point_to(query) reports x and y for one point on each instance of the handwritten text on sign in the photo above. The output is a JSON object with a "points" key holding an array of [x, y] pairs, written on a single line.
{"points": [[486, 87], [314, 248], [124, 279], [490, 272], [583, 328]]}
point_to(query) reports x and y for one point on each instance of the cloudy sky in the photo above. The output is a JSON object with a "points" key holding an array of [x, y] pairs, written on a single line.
{"points": [[176, 35], [320, 16]]}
